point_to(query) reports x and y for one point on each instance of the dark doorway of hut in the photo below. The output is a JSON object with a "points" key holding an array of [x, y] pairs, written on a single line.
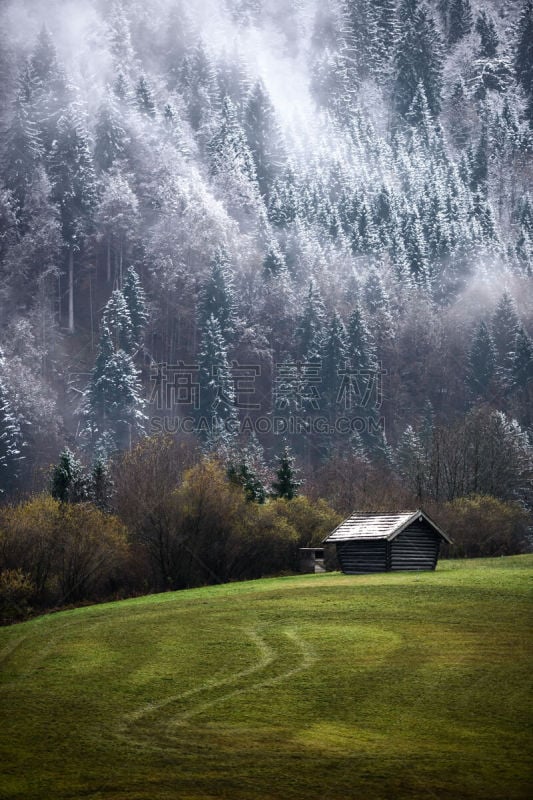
{"points": [[312, 559]]}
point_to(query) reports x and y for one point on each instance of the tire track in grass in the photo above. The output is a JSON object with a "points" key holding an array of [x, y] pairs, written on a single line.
{"points": [[307, 658], [267, 656], [135, 718], [168, 735]]}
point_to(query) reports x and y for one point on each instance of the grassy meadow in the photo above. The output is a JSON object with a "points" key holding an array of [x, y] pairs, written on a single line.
{"points": [[375, 687]]}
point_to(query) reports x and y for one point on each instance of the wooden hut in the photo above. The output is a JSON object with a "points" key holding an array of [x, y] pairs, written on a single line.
{"points": [[377, 542]]}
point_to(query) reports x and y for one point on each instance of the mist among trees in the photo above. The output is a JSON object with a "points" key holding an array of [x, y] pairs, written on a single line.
{"points": [[273, 229]]}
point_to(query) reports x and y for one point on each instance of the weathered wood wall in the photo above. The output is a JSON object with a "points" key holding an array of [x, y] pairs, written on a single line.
{"points": [[356, 558], [417, 547]]}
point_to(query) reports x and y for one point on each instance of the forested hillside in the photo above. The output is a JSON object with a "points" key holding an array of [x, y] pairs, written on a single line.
{"points": [[255, 224]]}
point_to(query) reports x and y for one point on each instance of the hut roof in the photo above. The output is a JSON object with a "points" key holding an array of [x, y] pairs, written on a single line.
{"points": [[372, 525]]}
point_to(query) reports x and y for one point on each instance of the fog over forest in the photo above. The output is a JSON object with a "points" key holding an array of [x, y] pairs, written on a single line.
{"points": [[268, 224]]}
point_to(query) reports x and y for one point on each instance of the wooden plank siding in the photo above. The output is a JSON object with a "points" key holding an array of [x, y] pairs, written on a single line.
{"points": [[358, 558], [417, 547]]}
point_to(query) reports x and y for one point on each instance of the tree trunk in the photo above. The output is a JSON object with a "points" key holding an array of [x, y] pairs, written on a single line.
{"points": [[109, 258], [71, 290]]}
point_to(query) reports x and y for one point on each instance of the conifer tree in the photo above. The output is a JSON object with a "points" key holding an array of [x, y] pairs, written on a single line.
{"points": [[481, 361], [524, 51], [362, 364], [228, 149], [416, 251], [286, 484], [242, 475], [411, 461], [101, 485], [23, 148], [74, 190], [479, 169], [418, 58], [112, 405], [378, 314], [69, 484], [49, 89], [200, 88], [460, 20], [217, 297], [334, 356], [360, 348], [145, 97], [523, 362], [310, 332], [120, 38], [116, 320], [362, 39], [122, 88], [386, 23], [419, 117], [117, 217], [110, 135], [135, 298], [486, 30], [274, 260], [217, 392], [115, 401], [264, 137], [11, 443], [505, 325]]}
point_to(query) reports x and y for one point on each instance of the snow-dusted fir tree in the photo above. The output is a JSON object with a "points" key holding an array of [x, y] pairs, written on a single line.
{"points": [[311, 328], [117, 219], [230, 159], [418, 57], [135, 298], [145, 97], [286, 485], [523, 371], [274, 260], [217, 392], [101, 484], [11, 443], [218, 298], [110, 134], [334, 355], [264, 137], [524, 54], [114, 401], [73, 189], [112, 408], [50, 90], [411, 462], [460, 20], [504, 329], [69, 483], [116, 320], [23, 149], [481, 361]]}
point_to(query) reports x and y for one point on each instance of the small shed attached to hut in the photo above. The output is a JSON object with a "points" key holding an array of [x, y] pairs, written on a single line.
{"points": [[377, 542], [312, 559]]}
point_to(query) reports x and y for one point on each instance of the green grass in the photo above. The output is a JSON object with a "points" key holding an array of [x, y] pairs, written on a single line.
{"points": [[328, 686]]}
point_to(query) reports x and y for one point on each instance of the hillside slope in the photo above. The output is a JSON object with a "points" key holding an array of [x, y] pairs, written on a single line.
{"points": [[394, 685]]}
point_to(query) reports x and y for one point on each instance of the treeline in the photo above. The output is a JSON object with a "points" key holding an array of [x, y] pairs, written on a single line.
{"points": [[163, 517]]}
